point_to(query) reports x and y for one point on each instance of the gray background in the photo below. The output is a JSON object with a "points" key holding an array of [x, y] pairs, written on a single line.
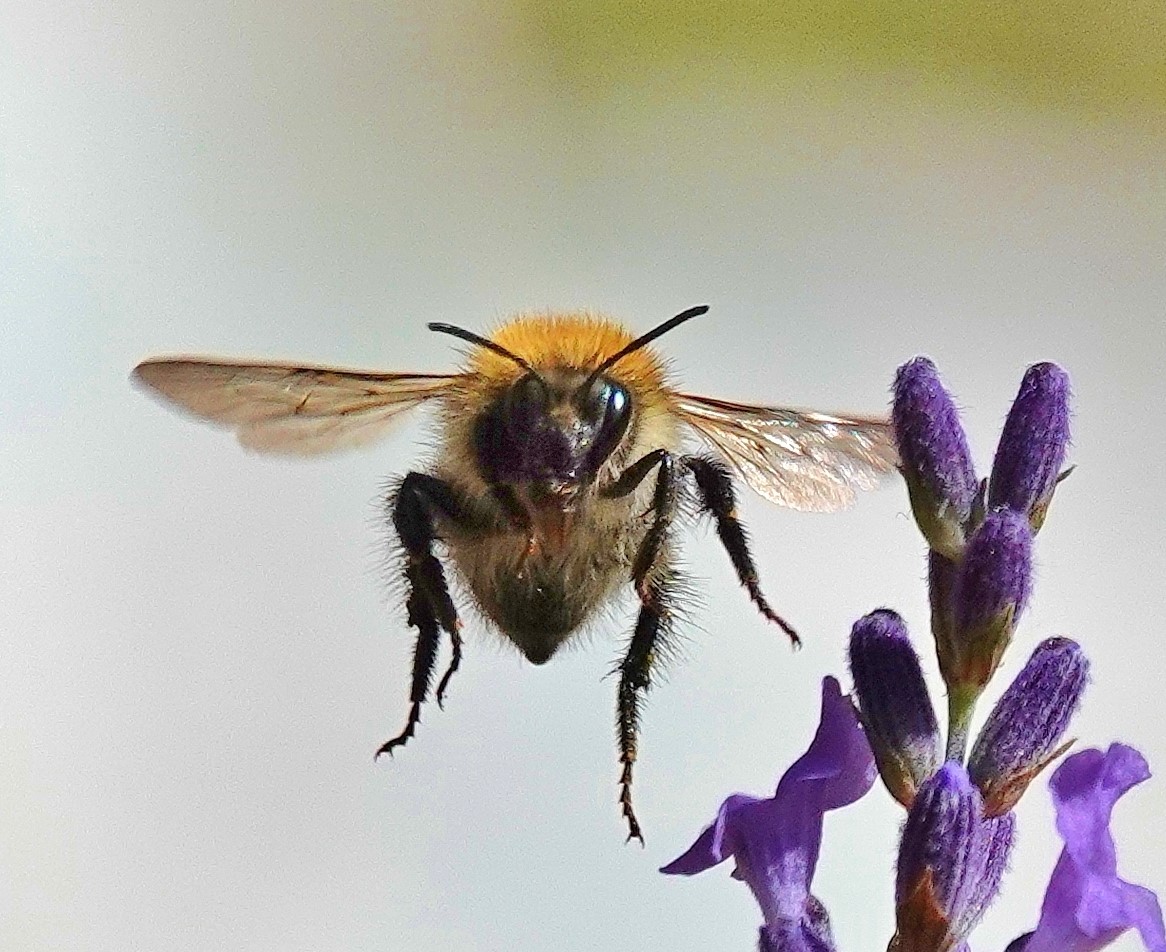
{"points": [[200, 652]]}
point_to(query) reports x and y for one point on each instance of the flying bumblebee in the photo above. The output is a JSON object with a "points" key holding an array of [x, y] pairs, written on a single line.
{"points": [[559, 478]]}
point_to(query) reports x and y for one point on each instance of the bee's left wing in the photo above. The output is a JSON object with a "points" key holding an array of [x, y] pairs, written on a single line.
{"points": [[796, 458], [282, 408]]}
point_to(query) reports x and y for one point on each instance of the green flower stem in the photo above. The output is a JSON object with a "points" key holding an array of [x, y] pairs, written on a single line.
{"points": [[961, 705]]}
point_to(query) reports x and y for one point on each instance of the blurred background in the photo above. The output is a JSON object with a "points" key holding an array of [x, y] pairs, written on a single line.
{"points": [[200, 649]]}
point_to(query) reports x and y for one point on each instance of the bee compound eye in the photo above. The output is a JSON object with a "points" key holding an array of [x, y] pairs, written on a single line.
{"points": [[617, 400], [609, 406], [528, 396], [602, 401]]}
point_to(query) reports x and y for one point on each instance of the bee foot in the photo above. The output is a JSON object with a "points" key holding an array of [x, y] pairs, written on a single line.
{"points": [[402, 738], [625, 803], [781, 623]]}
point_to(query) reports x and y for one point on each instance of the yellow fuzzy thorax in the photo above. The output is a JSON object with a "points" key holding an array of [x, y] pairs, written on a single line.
{"points": [[577, 341]]}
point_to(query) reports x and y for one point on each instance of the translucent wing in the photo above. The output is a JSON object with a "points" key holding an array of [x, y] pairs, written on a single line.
{"points": [[278, 408], [796, 458]]}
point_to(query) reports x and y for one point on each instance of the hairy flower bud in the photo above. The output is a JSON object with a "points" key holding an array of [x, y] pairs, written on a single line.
{"points": [[1024, 730], [951, 862], [1032, 446], [990, 591], [936, 463], [894, 704]]}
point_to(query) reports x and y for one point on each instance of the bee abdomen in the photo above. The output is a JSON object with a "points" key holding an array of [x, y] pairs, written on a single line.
{"points": [[540, 601]]}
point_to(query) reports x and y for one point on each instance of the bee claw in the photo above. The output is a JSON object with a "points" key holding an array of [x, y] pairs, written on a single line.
{"points": [[625, 802], [402, 738]]}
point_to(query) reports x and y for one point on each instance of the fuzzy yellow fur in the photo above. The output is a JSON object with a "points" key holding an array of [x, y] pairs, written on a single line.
{"points": [[580, 341]]}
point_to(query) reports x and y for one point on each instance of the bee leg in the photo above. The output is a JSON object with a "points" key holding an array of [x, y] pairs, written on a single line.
{"points": [[424, 655], [716, 496], [429, 605], [635, 678], [664, 505], [454, 663]]}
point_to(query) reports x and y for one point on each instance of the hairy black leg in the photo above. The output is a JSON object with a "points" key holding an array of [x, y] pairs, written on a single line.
{"points": [[635, 677], [664, 505], [429, 605], [422, 618], [716, 496]]}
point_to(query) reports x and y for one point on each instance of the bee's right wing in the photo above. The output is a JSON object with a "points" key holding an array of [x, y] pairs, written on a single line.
{"points": [[281, 408]]}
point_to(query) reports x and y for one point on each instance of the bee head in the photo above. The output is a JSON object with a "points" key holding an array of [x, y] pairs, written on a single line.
{"points": [[551, 430]]}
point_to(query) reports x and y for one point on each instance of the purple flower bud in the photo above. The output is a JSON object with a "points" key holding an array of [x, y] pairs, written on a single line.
{"points": [[937, 466], [951, 862], [895, 707], [1032, 446], [991, 590], [1024, 730]]}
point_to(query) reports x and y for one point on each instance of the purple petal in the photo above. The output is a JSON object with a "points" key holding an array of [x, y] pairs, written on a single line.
{"points": [[1028, 722], [896, 708], [838, 768], [1086, 905], [934, 453], [776, 841], [1032, 445], [712, 847]]}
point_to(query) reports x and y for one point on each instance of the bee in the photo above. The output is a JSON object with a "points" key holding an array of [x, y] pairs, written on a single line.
{"points": [[560, 476]]}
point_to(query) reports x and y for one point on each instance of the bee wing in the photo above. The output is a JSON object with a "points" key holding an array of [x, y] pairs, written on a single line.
{"points": [[281, 408], [810, 461]]}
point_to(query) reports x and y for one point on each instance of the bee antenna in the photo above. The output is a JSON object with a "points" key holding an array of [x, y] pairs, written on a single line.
{"points": [[479, 341], [644, 339]]}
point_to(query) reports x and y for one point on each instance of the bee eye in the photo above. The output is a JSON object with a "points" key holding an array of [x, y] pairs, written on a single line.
{"points": [[617, 401], [528, 396], [606, 405], [603, 401]]}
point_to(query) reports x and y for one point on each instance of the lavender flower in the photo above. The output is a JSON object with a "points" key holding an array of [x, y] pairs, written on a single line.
{"points": [[951, 861], [991, 590], [895, 708], [776, 841], [1086, 906], [937, 465], [1022, 734], [959, 832], [1032, 446]]}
